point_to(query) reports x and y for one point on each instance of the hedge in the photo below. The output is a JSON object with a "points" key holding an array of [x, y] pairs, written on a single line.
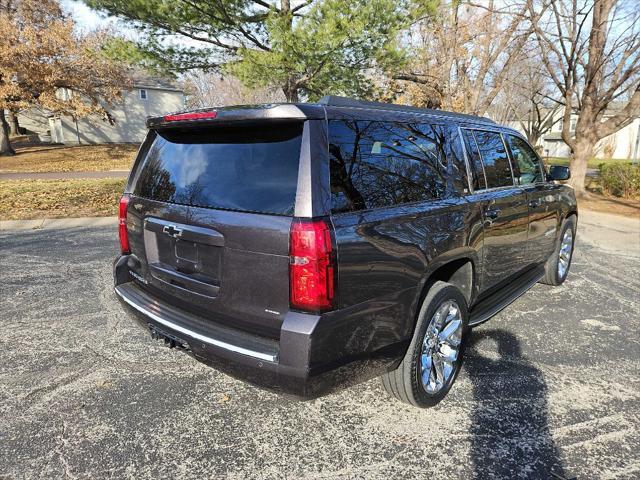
{"points": [[620, 179]]}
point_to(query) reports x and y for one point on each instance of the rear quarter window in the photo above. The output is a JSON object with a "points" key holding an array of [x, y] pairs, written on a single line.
{"points": [[253, 169], [497, 167], [381, 164]]}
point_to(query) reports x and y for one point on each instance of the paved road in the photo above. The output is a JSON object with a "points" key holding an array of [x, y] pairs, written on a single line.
{"points": [[63, 175], [552, 384]]}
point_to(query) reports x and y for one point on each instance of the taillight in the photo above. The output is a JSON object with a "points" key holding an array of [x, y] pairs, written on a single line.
{"points": [[122, 224], [311, 269], [179, 117]]}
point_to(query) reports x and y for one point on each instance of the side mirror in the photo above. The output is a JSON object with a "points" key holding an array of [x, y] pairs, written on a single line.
{"points": [[559, 173]]}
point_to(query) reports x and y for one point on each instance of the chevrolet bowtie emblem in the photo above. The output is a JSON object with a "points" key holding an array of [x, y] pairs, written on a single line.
{"points": [[172, 231]]}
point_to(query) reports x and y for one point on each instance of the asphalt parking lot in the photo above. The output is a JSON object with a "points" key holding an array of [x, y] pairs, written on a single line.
{"points": [[551, 386]]}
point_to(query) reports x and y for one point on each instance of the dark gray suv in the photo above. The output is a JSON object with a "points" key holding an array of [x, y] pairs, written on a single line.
{"points": [[305, 247]]}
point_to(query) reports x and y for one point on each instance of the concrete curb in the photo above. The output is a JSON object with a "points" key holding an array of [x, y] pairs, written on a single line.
{"points": [[57, 223]]}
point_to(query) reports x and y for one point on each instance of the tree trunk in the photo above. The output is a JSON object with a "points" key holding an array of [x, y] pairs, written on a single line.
{"points": [[533, 136], [290, 91], [579, 158], [14, 126], [5, 145]]}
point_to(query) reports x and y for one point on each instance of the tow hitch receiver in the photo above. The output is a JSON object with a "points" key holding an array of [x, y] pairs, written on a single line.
{"points": [[169, 340]]}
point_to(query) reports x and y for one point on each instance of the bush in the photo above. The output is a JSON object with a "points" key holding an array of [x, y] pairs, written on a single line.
{"points": [[620, 179]]}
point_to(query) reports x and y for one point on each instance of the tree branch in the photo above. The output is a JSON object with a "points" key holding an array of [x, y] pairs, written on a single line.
{"points": [[622, 118]]}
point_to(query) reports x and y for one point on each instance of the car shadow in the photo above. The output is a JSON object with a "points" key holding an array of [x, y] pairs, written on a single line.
{"points": [[510, 431]]}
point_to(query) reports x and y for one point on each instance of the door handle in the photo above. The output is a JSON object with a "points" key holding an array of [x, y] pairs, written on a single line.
{"points": [[493, 213]]}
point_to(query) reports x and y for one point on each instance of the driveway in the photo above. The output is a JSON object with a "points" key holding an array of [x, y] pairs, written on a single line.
{"points": [[551, 386]]}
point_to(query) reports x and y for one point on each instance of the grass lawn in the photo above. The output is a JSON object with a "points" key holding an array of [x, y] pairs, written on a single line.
{"points": [[593, 163], [35, 199], [59, 158], [29, 199]]}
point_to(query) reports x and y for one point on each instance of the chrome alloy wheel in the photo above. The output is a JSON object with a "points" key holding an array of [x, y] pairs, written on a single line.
{"points": [[440, 347], [564, 256]]}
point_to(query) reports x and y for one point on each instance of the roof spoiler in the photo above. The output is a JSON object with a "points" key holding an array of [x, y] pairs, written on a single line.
{"points": [[211, 116]]}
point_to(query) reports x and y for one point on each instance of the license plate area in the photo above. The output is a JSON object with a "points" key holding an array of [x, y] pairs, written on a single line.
{"points": [[184, 257], [186, 251], [168, 339]]}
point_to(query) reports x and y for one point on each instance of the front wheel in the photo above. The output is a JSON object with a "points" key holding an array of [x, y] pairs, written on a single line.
{"points": [[557, 267], [434, 357]]}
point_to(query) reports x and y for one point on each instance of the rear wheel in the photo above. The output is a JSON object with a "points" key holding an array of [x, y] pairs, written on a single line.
{"points": [[557, 267], [434, 357]]}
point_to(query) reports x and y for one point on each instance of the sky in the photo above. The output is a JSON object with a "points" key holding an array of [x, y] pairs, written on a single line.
{"points": [[86, 18]]}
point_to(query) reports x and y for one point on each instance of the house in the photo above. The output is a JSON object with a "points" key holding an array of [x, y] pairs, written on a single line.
{"points": [[149, 96], [624, 144]]}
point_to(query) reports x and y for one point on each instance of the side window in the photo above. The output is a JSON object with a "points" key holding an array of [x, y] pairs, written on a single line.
{"points": [[479, 180], [497, 168], [528, 163], [456, 162], [381, 164]]}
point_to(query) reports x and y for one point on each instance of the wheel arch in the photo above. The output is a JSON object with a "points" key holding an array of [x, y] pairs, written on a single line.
{"points": [[459, 268]]}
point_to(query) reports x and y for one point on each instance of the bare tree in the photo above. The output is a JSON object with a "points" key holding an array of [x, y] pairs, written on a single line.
{"points": [[463, 54], [210, 89], [590, 49], [529, 99]]}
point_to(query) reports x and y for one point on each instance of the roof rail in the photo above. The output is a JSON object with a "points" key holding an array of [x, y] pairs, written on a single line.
{"points": [[336, 101]]}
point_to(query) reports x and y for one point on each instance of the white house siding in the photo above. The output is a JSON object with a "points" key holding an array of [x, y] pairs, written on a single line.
{"points": [[130, 117], [620, 145], [34, 120], [555, 148], [622, 142]]}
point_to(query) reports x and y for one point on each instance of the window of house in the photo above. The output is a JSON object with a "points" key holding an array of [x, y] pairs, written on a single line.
{"points": [[527, 163], [497, 168], [573, 125], [143, 94], [381, 164]]}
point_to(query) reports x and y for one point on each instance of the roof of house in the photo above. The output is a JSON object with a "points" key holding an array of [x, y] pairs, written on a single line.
{"points": [[146, 80]]}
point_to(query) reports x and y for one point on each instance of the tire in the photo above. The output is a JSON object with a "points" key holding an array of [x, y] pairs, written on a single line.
{"points": [[406, 382], [553, 273]]}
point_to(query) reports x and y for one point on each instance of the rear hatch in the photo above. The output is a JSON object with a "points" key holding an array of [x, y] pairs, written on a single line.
{"points": [[209, 216]]}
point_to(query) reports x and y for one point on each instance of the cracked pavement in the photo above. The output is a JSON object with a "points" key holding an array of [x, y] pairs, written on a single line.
{"points": [[551, 386]]}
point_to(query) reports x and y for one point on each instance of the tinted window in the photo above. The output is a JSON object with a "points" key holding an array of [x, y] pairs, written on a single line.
{"points": [[456, 162], [528, 166], [248, 169], [473, 153], [375, 164], [494, 158]]}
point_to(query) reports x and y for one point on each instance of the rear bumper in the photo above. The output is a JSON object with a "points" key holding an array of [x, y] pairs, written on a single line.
{"points": [[306, 362]]}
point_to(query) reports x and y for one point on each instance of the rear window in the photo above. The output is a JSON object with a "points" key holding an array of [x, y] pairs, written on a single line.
{"points": [[252, 169]]}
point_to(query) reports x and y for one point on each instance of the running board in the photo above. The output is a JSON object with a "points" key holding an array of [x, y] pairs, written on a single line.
{"points": [[495, 302]]}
